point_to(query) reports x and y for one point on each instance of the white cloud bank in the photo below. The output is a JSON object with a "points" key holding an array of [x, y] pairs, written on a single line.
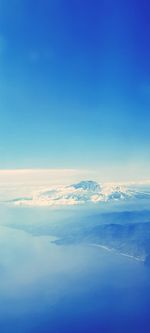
{"points": [[53, 187], [84, 192], [41, 176]]}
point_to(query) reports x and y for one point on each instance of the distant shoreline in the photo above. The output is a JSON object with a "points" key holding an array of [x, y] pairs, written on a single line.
{"points": [[117, 252]]}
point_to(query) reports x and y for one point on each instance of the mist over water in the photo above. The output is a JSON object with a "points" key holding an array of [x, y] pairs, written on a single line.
{"points": [[45, 287]]}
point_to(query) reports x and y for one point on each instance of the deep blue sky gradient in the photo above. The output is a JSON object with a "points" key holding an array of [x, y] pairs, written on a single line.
{"points": [[74, 83]]}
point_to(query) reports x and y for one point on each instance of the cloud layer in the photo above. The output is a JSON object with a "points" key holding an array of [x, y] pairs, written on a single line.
{"points": [[81, 193]]}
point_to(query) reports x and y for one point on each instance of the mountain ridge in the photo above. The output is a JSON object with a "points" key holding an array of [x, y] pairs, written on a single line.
{"points": [[82, 193]]}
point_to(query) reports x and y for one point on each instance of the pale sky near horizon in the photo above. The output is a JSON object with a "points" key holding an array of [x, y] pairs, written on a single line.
{"points": [[48, 177]]}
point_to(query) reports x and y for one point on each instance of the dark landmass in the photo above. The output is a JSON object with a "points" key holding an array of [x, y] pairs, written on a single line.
{"points": [[131, 239]]}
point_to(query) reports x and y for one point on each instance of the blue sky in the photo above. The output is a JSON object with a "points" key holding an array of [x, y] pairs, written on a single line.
{"points": [[74, 83]]}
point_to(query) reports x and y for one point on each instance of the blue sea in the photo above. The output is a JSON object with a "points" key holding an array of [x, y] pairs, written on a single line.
{"points": [[46, 288]]}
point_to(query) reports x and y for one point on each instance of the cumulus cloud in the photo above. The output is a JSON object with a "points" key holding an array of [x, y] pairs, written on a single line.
{"points": [[63, 187], [23, 182], [81, 193]]}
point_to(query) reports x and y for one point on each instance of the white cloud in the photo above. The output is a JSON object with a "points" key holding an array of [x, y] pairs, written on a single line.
{"points": [[23, 182], [53, 187], [82, 193], [41, 176]]}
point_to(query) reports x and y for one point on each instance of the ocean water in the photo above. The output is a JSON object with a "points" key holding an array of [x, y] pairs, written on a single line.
{"points": [[65, 289]]}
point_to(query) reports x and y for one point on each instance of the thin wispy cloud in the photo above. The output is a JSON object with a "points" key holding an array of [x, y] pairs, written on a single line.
{"points": [[41, 176]]}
